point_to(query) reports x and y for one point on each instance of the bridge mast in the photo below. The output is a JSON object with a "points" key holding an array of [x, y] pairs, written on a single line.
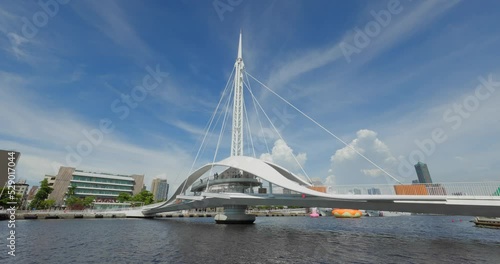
{"points": [[236, 213], [237, 133]]}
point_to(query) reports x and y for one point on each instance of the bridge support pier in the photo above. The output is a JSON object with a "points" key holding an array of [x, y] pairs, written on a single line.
{"points": [[234, 214]]}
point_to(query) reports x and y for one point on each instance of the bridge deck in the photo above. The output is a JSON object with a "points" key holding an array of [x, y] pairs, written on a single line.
{"points": [[450, 205]]}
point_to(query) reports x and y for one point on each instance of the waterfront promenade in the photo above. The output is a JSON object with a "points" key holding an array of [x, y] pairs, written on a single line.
{"points": [[66, 214], [405, 239]]}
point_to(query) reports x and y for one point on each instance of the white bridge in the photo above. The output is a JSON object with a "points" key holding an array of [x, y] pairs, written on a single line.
{"points": [[479, 201], [234, 188]]}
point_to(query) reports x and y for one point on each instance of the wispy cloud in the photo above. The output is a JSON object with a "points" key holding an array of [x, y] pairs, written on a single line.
{"points": [[413, 19], [111, 19], [60, 83]]}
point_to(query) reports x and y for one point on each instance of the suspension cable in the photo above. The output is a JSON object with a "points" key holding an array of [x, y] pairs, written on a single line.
{"points": [[249, 129], [257, 113], [279, 135], [223, 128], [322, 127], [208, 128]]}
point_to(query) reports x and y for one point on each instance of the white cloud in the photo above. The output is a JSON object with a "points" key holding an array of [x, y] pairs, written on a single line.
{"points": [[17, 42], [348, 167], [373, 172], [467, 148], [43, 135], [283, 155], [14, 43], [330, 180], [308, 61]]}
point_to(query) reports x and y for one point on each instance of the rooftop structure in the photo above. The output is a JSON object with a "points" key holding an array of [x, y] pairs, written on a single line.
{"points": [[50, 180]]}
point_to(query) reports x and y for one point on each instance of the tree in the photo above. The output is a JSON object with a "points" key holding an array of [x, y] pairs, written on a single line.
{"points": [[144, 196], [74, 203], [41, 195], [123, 197], [77, 203], [71, 190], [88, 201], [47, 204], [5, 198]]}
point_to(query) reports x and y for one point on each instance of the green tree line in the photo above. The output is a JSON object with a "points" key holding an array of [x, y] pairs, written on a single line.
{"points": [[144, 196]]}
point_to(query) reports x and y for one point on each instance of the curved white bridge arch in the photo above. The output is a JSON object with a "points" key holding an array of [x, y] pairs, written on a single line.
{"points": [[454, 205], [263, 169]]}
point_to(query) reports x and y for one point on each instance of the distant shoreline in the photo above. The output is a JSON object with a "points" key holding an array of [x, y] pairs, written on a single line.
{"points": [[80, 215]]}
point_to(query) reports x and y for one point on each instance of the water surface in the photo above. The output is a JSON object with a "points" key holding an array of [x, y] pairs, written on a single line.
{"points": [[404, 239]]}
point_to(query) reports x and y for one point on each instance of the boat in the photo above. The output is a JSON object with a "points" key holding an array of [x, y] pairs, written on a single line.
{"points": [[487, 222], [346, 213], [314, 213], [373, 213], [325, 211]]}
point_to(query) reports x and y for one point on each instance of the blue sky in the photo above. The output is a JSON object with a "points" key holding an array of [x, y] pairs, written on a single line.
{"points": [[385, 99]]}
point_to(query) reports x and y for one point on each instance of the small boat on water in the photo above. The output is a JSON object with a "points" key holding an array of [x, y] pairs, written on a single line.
{"points": [[346, 213], [314, 213], [487, 222], [373, 213]]}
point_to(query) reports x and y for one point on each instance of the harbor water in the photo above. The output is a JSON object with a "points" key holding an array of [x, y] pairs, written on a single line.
{"points": [[403, 239]]}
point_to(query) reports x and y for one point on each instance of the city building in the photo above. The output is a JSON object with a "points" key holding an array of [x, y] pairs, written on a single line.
{"points": [[104, 187], [435, 189], [138, 183], [31, 194], [419, 189], [355, 191], [374, 191], [21, 188], [159, 188], [51, 180], [423, 173], [4, 165]]}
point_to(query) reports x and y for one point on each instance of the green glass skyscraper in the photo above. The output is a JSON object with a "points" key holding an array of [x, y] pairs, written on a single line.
{"points": [[423, 173]]}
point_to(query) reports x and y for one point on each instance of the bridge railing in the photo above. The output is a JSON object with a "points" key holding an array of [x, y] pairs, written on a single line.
{"points": [[491, 188]]}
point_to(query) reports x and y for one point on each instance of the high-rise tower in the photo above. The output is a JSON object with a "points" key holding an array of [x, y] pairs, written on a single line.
{"points": [[423, 173]]}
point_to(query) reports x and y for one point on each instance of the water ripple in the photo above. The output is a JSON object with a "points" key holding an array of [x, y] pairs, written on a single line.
{"points": [[412, 239]]}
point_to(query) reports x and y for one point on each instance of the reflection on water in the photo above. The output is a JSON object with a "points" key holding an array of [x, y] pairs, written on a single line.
{"points": [[405, 239]]}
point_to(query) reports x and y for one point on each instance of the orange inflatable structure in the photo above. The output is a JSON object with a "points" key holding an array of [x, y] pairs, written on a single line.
{"points": [[346, 213]]}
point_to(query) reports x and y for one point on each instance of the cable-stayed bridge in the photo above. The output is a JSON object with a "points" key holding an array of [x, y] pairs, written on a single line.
{"points": [[237, 181]]}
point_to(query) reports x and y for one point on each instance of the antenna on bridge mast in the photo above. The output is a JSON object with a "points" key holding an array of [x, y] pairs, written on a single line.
{"points": [[237, 131]]}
